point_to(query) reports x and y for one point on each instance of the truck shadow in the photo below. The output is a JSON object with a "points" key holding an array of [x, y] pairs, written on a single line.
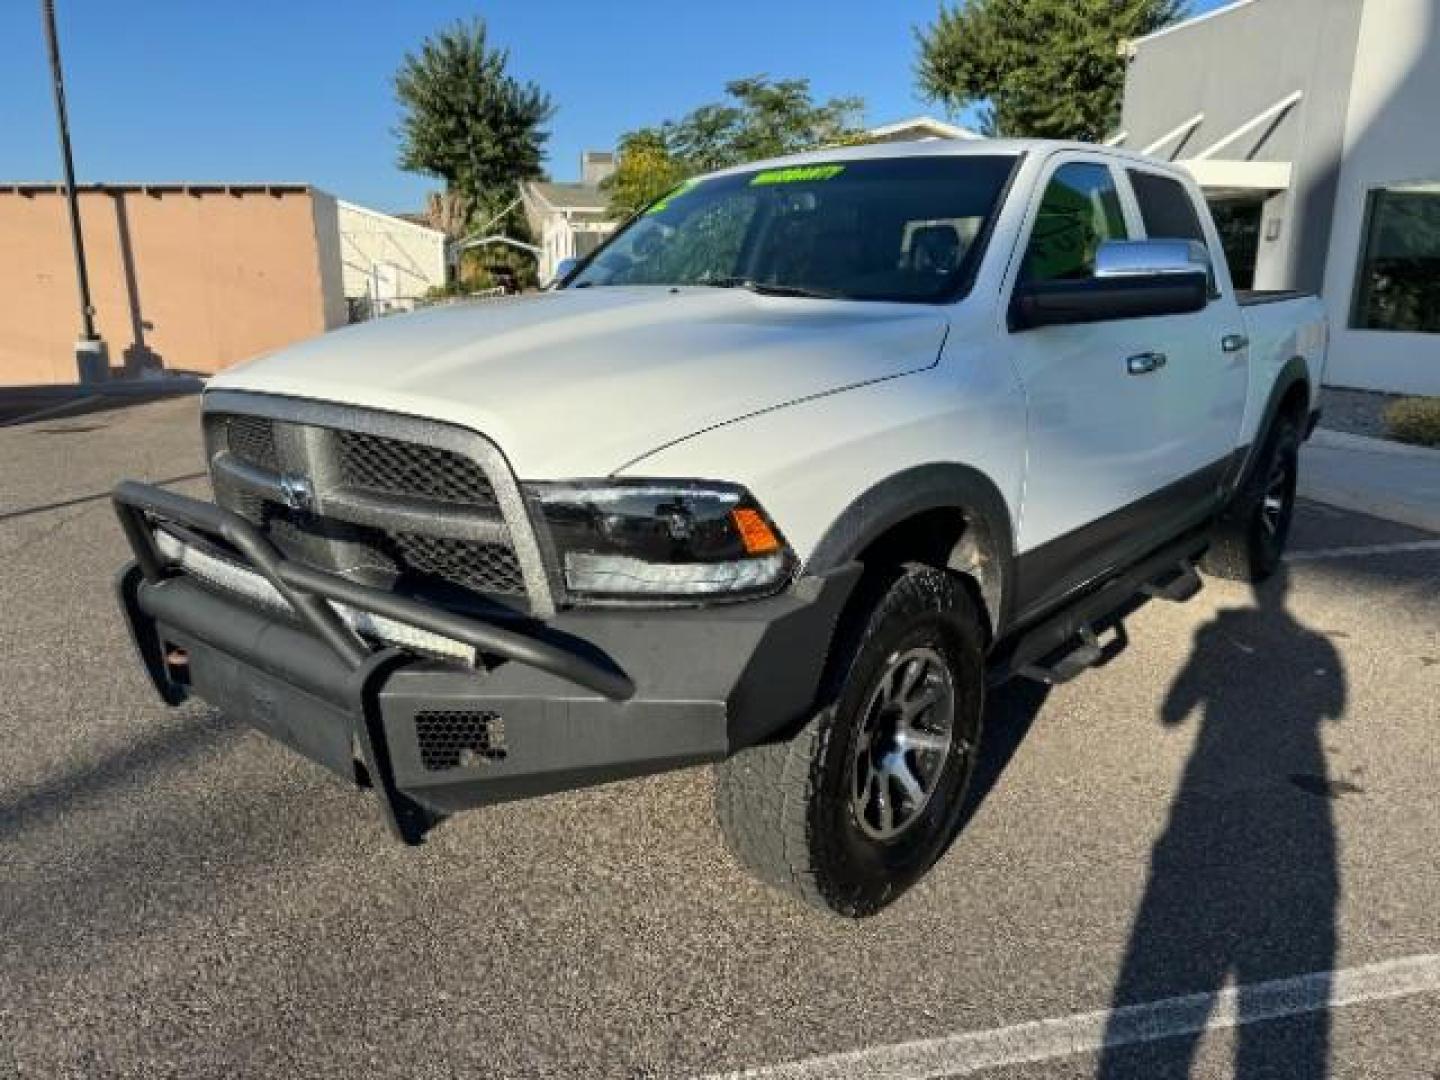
{"points": [[1009, 714], [1244, 882]]}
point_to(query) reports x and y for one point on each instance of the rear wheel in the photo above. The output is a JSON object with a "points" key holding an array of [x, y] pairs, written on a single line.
{"points": [[1249, 540], [850, 812]]}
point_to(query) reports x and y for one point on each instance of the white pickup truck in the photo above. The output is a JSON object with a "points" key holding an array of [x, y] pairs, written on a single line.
{"points": [[782, 477]]}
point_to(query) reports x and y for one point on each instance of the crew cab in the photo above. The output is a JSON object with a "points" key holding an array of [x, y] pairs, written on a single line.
{"points": [[808, 455]]}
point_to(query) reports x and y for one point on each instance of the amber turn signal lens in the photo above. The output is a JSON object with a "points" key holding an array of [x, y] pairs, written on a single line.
{"points": [[755, 534]]}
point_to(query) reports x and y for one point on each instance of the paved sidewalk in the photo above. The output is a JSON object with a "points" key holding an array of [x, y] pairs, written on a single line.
{"points": [[1373, 476]]}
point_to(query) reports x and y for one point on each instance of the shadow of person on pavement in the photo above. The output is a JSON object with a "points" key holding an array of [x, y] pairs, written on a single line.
{"points": [[1244, 883]]}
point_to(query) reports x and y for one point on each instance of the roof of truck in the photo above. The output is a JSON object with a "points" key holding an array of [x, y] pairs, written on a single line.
{"points": [[937, 148]]}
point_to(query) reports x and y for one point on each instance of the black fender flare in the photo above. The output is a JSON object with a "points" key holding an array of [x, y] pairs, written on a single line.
{"points": [[938, 486], [1294, 372]]}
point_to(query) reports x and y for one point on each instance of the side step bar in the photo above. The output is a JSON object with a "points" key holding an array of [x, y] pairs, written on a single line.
{"points": [[1067, 642], [1067, 662], [1177, 587]]}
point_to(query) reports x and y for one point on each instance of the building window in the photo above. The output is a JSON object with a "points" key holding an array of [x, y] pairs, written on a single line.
{"points": [[1399, 283]]}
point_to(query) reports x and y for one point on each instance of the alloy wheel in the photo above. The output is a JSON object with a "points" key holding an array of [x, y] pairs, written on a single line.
{"points": [[906, 735]]}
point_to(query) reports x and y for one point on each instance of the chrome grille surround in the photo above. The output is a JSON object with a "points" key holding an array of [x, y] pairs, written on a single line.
{"points": [[388, 494]]}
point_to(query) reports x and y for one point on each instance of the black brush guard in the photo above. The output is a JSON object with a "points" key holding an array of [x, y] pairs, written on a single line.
{"points": [[715, 679]]}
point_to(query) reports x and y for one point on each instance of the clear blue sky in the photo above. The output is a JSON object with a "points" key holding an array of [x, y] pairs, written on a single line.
{"points": [[300, 90]]}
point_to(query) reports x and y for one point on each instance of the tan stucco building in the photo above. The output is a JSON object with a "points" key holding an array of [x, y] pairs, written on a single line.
{"points": [[184, 277]]}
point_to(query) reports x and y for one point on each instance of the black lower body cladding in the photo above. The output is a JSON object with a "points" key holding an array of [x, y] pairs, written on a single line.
{"points": [[436, 738]]}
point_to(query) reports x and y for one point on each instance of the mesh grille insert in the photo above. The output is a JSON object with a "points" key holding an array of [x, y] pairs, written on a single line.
{"points": [[252, 440], [453, 740], [486, 568], [377, 463]]}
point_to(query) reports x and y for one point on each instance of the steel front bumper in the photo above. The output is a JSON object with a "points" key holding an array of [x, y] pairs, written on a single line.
{"points": [[588, 697]]}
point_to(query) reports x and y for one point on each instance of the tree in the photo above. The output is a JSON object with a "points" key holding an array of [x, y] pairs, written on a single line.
{"points": [[1037, 68], [646, 169], [448, 211], [467, 121], [762, 119]]}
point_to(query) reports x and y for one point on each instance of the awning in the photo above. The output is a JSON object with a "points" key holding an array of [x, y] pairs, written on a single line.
{"points": [[1220, 176]]}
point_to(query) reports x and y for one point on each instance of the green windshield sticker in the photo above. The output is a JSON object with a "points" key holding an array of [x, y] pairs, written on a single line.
{"points": [[796, 174], [680, 189]]}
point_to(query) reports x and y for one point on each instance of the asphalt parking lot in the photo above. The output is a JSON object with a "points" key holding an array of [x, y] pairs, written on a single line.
{"points": [[1245, 796]]}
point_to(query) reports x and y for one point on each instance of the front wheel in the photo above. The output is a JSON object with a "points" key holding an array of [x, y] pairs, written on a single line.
{"points": [[1249, 540], [850, 812]]}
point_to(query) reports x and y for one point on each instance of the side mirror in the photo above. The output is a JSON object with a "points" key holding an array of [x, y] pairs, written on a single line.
{"points": [[1134, 279], [1150, 258]]}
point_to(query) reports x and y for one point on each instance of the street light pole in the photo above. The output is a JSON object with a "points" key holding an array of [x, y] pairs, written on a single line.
{"points": [[90, 354]]}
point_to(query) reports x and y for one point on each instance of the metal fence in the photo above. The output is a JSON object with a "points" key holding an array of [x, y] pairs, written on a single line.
{"points": [[363, 308]]}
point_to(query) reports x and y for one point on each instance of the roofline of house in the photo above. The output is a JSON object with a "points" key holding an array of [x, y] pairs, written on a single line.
{"points": [[955, 131], [528, 190], [185, 187], [393, 219], [1224, 9]]}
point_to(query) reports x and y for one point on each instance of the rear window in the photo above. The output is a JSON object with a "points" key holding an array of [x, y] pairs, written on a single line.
{"points": [[1166, 208]]}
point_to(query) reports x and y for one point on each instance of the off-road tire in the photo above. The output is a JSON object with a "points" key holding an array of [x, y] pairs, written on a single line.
{"points": [[1249, 539], [788, 809]]}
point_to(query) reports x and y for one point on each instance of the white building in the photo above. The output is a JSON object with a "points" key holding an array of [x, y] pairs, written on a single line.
{"points": [[1311, 125], [386, 261], [919, 129], [569, 220]]}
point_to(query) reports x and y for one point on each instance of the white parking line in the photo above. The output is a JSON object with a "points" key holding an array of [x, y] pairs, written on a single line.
{"points": [[1043, 1040], [1362, 550]]}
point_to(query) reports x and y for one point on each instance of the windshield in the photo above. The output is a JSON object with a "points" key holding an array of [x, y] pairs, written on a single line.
{"points": [[891, 229]]}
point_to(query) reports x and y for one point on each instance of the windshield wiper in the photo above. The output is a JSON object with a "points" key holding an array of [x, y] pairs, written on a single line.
{"points": [[770, 288]]}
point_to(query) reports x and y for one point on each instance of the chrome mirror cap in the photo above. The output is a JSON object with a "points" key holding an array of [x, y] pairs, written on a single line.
{"points": [[1146, 258]]}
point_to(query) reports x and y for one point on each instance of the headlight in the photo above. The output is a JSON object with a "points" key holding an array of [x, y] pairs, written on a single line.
{"points": [[661, 539]]}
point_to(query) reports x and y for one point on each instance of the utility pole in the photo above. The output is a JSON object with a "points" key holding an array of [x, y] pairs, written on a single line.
{"points": [[91, 357]]}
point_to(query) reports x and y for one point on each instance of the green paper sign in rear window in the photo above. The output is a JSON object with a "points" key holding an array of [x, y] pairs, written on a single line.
{"points": [[796, 174]]}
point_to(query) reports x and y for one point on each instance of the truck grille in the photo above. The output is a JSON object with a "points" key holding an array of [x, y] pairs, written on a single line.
{"points": [[430, 511], [389, 466], [252, 440], [478, 566]]}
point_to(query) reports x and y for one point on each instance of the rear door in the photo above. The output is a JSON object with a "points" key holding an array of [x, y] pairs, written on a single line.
{"points": [[1207, 353], [1111, 444]]}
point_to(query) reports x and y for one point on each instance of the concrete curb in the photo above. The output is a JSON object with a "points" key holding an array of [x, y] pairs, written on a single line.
{"points": [[1365, 444], [1370, 476], [1364, 502]]}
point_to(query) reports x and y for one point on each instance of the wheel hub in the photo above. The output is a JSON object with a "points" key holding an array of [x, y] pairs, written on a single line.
{"points": [[905, 739], [1276, 496]]}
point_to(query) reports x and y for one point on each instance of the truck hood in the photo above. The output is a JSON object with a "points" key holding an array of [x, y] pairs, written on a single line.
{"points": [[583, 381]]}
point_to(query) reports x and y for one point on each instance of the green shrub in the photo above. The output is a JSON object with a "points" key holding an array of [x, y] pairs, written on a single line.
{"points": [[1415, 420]]}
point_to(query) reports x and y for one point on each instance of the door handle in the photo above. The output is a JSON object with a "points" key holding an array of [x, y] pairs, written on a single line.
{"points": [[1144, 363], [1234, 342]]}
